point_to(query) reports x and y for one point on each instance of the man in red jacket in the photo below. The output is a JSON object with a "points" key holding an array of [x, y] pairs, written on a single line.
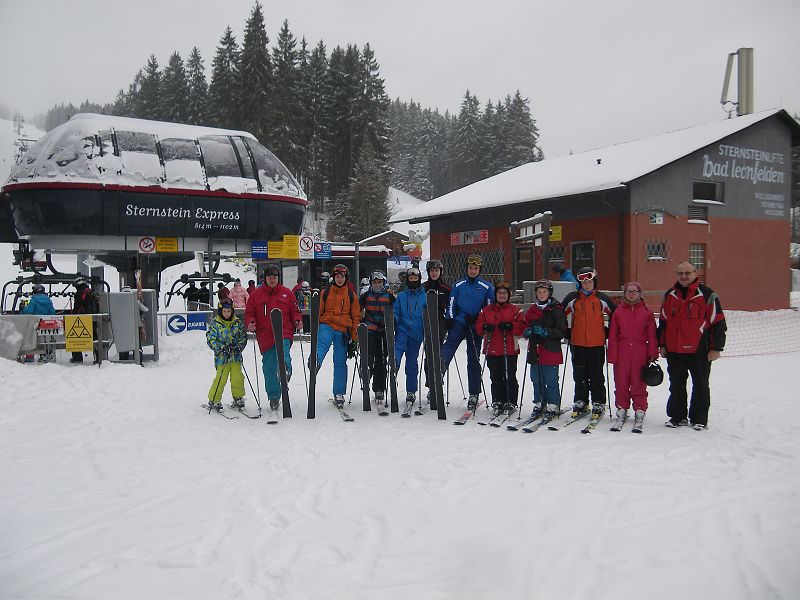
{"points": [[691, 335], [257, 318]]}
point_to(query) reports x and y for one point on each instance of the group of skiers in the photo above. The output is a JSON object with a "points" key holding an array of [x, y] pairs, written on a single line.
{"points": [[690, 335]]}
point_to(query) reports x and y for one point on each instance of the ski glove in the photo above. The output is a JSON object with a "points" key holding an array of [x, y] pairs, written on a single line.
{"points": [[488, 327], [352, 348], [539, 330], [506, 326]]}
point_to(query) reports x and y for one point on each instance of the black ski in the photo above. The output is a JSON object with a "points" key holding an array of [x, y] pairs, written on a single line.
{"points": [[571, 421], [435, 359], [388, 316], [342, 412], [546, 418], [312, 358], [276, 318], [363, 364], [220, 413]]}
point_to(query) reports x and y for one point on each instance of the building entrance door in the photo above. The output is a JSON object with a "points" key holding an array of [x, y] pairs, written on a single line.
{"points": [[524, 270], [582, 255]]}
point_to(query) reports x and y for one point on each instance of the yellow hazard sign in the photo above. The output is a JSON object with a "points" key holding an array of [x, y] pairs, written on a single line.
{"points": [[78, 333]]}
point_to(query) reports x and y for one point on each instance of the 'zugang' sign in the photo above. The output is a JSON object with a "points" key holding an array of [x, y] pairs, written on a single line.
{"points": [[748, 164]]}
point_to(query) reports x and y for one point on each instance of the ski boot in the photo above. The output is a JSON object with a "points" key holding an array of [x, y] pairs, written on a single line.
{"points": [[622, 415], [551, 412], [699, 426], [217, 406], [238, 403], [380, 398], [537, 411], [510, 409], [338, 400], [578, 408], [674, 423], [275, 402], [472, 403], [638, 421]]}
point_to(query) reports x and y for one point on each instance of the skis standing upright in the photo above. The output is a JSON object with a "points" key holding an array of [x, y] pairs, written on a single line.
{"points": [[389, 324], [363, 364], [312, 358], [276, 318], [435, 356]]}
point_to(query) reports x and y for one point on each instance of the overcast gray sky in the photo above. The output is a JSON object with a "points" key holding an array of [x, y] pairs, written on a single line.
{"points": [[596, 73]]}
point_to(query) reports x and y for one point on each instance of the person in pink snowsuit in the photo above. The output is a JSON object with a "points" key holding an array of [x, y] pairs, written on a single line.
{"points": [[631, 346], [239, 295]]}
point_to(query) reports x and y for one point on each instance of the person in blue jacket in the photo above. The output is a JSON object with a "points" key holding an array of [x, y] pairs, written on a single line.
{"points": [[564, 274], [409, 307], [40, 304], [467, 298]]}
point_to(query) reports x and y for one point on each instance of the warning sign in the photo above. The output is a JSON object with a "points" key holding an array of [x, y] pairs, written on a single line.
{"points": [[78, 333], [166, 244], [147, 245]]}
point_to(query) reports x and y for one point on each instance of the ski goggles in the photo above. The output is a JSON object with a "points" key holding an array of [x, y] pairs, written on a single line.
{"points": [[475, 260], [271, 271], [586, 276]]}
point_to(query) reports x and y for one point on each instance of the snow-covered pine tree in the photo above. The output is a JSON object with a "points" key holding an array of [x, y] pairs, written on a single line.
{"points": [[174, 91], [224, 90], [285, 116], [466, 149], [364, 209], [257, 78], [315, 96], [344, 81], [522, 133], [197, 107], [149, 105]]}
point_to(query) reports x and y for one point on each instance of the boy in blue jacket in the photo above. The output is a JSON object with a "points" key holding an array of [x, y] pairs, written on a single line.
{"points": [[409, 308]]}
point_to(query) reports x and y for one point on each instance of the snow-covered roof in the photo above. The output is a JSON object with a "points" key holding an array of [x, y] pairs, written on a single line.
{"points": [[90, 122], [591, 171]]}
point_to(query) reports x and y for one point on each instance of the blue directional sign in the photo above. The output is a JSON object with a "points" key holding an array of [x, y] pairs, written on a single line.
{"points": [[176, 324], [322, 250], [260, 250], [196, 321]]}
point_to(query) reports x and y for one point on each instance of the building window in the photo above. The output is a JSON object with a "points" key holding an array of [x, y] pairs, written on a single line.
{"points": [[455, 266], [656, 217], [708, 192], [698, 214], [697, 256], [657, 250], [557, 252]]}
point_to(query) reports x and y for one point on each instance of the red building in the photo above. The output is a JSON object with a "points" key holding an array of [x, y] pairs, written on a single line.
{"points": [[718, 195]]}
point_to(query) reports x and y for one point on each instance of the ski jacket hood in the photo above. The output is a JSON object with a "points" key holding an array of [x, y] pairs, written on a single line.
{"points": [[260, 305]]}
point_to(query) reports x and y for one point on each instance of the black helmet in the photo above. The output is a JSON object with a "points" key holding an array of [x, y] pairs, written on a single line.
{"points": [[652, 374], [434, 263], [272, 269], [38, 288]]}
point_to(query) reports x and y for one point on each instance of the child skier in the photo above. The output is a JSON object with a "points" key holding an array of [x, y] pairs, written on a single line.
{"points": [[227, 338], [631, 345], [375, 302], [546, 326], [503, 322], [409, 309]]}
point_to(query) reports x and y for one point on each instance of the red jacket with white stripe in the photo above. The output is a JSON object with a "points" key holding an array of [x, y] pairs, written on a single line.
{"points": [[494, 314], [260, 304], [691, 320]]}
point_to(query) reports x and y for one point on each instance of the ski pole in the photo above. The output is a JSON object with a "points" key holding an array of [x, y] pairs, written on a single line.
{"points": [[352, 379], [478, 358], [608, 391], [255, 361], [461, 381], [303, 358], [563, 378], [419, 384], [258, 401], [505, 367], [216, 389], [522, 393]]}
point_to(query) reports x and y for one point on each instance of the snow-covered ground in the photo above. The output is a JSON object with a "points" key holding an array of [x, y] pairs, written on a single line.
{"points": [[116, 484]]}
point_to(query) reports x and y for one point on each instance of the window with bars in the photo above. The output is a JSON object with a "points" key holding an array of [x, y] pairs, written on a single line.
{"points": [[657, 250], [557, 252], [698, 214], [455, 265], [697, 256]]}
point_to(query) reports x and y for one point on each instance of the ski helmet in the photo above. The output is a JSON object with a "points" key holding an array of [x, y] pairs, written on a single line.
{"points": [[503, 285], [377, 275], [224, 303], [79, 281], [364, 281], [434, 263], [652, 374], [340, 269], [38, 288], [413, 271], [272, 269], [305, 285], [543, 284]]}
